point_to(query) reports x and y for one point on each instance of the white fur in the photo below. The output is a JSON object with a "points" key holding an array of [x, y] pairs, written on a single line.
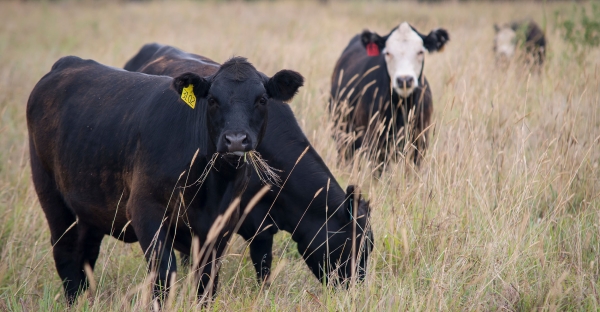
{"points": [[404, 53], [505, 42]]}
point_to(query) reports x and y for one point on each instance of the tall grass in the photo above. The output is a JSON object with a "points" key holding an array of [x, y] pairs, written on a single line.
{"points": [[504, 212]]}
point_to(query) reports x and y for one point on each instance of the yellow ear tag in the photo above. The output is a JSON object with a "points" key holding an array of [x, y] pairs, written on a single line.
{"points": [[187, 95]]}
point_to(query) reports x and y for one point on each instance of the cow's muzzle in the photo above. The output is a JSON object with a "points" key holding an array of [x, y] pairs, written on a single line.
{"points": [[237, 142]]}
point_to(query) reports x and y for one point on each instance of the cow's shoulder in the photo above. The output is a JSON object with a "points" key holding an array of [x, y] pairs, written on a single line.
{"points": [[68, 62]]}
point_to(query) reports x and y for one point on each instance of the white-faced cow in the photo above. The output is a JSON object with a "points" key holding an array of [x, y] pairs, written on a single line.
{"points": [[311, 205], [524, 34], [112, 153], [377, 81]]}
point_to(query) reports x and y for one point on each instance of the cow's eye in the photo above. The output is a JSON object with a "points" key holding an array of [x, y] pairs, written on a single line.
{"points": [[212, 101], [387, 53], [262, 101], [420, 53]]}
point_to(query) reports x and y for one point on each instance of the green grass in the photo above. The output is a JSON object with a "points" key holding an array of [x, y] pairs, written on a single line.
{"points": [[503, 214]]}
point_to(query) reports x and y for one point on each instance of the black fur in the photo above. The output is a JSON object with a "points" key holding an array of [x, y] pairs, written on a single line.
{"points": [[284, 208]]}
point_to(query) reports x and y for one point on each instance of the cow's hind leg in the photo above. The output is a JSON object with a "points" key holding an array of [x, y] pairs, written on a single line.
{"points": [[67, 256], [88, 244], [63, 230]]}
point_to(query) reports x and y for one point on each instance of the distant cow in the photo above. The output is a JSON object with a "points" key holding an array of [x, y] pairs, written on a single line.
{"points": [[322, 225], [112, 153], [376, 83], [525, 34]]}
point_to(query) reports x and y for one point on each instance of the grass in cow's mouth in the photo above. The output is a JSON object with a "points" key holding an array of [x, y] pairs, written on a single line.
{"points": [[266, 173]]}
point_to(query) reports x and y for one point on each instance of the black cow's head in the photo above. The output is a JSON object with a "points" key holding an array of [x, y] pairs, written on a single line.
{"points": [[331, 255], [404, 51], [237, 96]]}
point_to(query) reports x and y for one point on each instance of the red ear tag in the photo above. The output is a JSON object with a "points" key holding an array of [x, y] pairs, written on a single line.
{"points": [[372, 49]]}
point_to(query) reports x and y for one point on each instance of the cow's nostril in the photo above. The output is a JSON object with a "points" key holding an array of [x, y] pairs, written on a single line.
{"points": [[236, 142], [404, 81]]}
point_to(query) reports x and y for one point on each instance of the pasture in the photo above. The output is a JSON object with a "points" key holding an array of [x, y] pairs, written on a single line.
{"points": [[504, 213]]}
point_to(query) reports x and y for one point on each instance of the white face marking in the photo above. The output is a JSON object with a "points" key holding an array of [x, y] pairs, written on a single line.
{"points": [[404, 54], [505, 42]]}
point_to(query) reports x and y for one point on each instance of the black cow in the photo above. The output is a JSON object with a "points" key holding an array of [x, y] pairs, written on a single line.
{"points": [[376, 82], [525, 34], [112, 153], [322, 241]]}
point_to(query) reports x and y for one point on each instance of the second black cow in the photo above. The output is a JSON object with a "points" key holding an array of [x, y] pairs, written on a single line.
{"points": [[330, 226]]}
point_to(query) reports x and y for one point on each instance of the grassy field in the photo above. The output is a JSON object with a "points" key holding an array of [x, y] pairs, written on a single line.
{"points": [[504, 213]]}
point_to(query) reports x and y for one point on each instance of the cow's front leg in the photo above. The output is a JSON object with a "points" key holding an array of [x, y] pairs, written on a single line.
{"points": [[261, 253], [215, 245], [151, 226]]}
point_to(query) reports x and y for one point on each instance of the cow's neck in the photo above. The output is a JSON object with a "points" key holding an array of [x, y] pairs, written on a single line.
{"points": [[306, 196], [308, 219]]}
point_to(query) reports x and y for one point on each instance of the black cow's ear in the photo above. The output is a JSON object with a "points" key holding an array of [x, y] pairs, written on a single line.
{"points": [[372, 42], [436, 40], [496, 28], [200, 84], [284, 85]]}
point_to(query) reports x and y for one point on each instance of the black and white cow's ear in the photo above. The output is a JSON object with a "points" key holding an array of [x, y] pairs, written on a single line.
{"points": [[436, 40], [372, 42], [184, 81], [516, 25], [284, 85]]}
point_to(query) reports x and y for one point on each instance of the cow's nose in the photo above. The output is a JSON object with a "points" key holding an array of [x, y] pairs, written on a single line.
{"points": [[236, 142], [404, 81]]}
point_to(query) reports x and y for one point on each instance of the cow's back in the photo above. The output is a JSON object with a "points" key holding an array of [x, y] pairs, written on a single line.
{"points": [[142, 57], [88, 124], [156, 59]]}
